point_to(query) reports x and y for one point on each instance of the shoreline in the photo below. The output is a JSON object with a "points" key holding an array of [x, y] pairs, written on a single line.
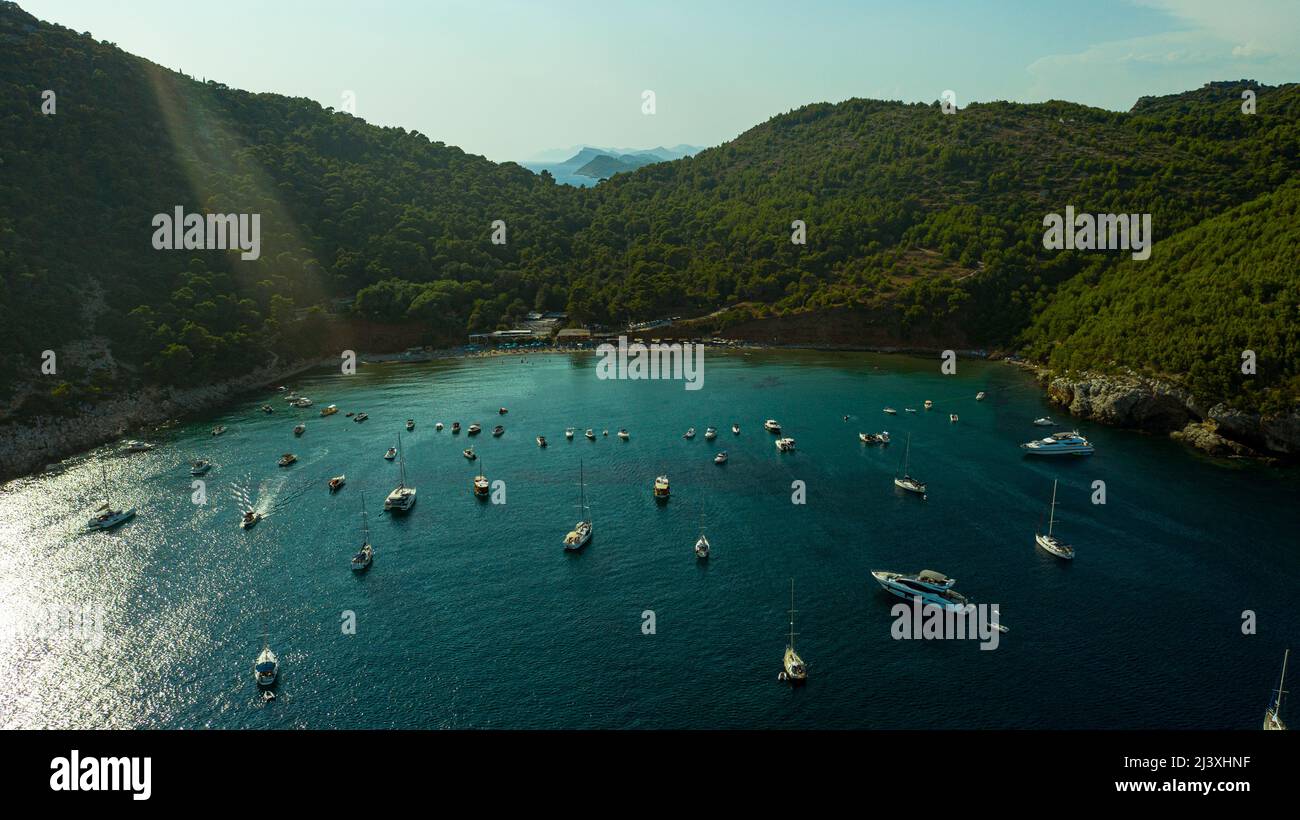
{"points": [[1122, 401]]}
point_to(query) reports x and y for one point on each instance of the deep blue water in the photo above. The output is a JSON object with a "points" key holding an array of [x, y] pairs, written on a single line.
{"points": [[474, 616]]}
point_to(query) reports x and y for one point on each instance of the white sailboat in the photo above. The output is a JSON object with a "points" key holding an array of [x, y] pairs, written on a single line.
{"points": [[105, 517], [702, 543], [366, 554], [794, 670], [1273, 715], [267, 666], [581, 532], [402, 498], [1050, 542], [908, 483]]}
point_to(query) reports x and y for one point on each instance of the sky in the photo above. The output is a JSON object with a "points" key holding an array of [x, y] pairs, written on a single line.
{"points": [[524, 79]]}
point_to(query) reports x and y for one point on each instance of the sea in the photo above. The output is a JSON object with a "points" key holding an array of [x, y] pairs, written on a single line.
{"points": [[1174, 613]]}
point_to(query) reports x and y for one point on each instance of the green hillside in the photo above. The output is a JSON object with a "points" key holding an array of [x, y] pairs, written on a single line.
{"points": [[930, 220], [1229, 284]]}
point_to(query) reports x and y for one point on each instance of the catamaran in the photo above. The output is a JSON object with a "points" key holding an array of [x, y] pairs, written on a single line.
{"points": [[402, 498], [1273, 715], [661, 488], [366, 554], [581, 532], [794, 670], [908, 483], [105, 518], [1050, 542]]}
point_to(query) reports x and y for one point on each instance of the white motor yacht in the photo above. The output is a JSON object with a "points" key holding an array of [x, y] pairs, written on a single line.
{"points": [[1059, 444]]}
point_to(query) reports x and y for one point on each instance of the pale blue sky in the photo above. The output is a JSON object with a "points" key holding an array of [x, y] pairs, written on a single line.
{"points": [[510, 80]]}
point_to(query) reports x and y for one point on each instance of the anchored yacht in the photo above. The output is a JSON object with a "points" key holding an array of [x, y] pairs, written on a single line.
{"points": [[1050, 542], [793, 669], [402, 498], [366, 555], [930, 586], [578, 537], [1273, 715], [1059, 444], [772, 426], [661, 488]]}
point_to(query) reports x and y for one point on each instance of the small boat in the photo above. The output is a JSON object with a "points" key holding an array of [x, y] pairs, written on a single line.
{"points": [[438, 426], [267, 666], [702, 547], [908, 483], [793, 669], [219, 429], [568, 433], [772, 426], [329, 411], [481, 484], [281, 388], [349, 414], [1050, 542], [455, 427], [337, 482], [391, 454], [578, 537], [890, 411], [250, 519], [604, 433], [474, 429], [928, 404], [200, 466], [720, 458], [735, 428], [105, 517], [909, 409], [690, 433], [268, 409], [661, 488], [410, 424], [1059, 444], [590, 435], [979, 396], [287, 459], [623, 434], [541, 441], [302, 402], [299, 429], [1273, 715], [502, 411], [469, 453], [785, 445], [874, 438], [952, 417], [365, 556], [292, 397], [1044, 422], [497, 431], [710, 434], [402, 498], [361, 417]]}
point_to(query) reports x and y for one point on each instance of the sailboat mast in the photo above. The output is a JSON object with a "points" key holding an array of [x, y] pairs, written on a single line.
{"points": [[401, 460], [365, 521], [1052, 516], [1281, 685], [792, 613]]}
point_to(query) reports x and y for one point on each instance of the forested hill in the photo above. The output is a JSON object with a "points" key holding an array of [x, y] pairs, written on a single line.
{"points": [[932, 220]]}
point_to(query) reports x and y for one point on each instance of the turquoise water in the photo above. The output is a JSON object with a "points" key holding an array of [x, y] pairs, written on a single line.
{"points": [[474, 616]]}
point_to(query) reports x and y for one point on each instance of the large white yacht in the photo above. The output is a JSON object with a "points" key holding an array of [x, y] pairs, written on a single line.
{"points": [[1059, 444], [930, 586]]}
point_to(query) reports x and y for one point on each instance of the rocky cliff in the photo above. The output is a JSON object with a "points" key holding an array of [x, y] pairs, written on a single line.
{"points": [[1130, 400]]}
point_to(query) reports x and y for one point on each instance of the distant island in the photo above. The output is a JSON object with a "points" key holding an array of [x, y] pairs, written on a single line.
{"points": [[589, 165]]}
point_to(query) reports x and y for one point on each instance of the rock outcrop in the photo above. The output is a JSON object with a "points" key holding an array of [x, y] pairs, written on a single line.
{"points": [[1144, 403]]}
